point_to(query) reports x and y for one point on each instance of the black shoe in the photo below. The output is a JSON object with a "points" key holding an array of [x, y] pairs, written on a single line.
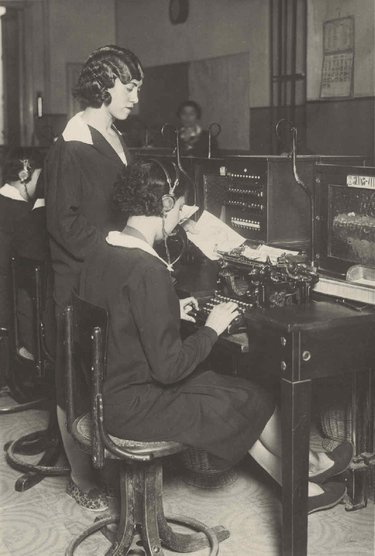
{"points": [[332, 495], [341, 457]]}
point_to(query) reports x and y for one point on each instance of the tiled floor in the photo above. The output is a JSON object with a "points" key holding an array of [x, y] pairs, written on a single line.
{"points": [[43, 520]]}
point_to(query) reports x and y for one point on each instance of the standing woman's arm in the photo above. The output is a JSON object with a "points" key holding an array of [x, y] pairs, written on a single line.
{"points": [[65, 221]]}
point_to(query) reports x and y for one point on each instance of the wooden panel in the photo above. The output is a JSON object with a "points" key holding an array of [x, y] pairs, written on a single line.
{"points": [[339, 127], [10, 26], [262, 131], [221, 86], [342, 127], [164, 88], [72, 74]]}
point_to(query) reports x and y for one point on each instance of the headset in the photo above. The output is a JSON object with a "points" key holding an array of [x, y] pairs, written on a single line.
{"points": [[168, 199], [25, 173], [25, 176]]}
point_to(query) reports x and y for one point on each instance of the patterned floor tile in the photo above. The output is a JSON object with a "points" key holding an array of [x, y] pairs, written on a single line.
{"points": [[44, 520]]}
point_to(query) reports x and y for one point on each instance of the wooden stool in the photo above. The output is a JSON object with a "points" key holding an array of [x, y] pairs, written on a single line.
{"points": [[31, 276]]}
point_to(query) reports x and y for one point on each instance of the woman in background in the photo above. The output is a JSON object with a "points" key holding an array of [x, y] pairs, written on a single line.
{"points": [[23, 233], [81, 169], [193, 138]]}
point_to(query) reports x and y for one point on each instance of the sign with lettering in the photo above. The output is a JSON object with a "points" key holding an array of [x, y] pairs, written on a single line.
{"points": [[367, 182]]}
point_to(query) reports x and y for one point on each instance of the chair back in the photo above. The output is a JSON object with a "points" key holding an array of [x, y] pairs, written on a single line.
{"points": [[86, 327], [31, 277]]}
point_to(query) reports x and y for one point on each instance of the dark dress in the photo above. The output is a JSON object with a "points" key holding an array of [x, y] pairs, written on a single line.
{"points": [[79, 185], [151, 391], [23, 233], [199, 146], [80, 171], [12, 212]]}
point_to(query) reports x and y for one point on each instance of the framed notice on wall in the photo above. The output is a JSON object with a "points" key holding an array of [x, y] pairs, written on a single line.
{"points": [[338, 58]]}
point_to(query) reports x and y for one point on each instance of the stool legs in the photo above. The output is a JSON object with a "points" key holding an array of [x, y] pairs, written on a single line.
{"points": [[36, 442], [127, 522], [142, 515], [184, 542]]}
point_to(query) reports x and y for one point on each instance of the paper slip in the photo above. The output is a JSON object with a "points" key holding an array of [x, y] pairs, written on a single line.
{"points": [[211, 235], [186, 212], [261, 253]]}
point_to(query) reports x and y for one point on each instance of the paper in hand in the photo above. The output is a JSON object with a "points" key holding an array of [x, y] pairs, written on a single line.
{"points": [[211, 235], [186, 212]]}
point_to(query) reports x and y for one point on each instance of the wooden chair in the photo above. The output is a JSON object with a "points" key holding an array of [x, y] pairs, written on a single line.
{"points": [[31, 277], [25, 378], [142, 518]]}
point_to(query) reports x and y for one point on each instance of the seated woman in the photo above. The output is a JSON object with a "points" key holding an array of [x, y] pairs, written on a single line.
{"points": [[193, 138], [153, 389], [22, 232]]}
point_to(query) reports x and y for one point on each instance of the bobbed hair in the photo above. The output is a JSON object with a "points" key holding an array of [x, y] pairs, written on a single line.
{"points": [[190, 104], [140, 189], [19, 159], [100, 71]]}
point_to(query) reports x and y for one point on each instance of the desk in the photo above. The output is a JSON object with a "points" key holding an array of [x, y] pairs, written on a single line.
{"points": [[298, 344], [301, 343]]}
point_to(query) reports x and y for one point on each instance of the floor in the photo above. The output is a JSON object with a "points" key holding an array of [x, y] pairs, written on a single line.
{"points": [[43, 520]]}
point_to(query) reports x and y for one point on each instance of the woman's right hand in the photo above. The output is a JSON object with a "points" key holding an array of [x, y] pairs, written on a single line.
{"points": [[221, 316]]}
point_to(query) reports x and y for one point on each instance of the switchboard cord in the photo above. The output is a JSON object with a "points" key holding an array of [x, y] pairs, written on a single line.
{"points": [[309, 192], [169, 127]]}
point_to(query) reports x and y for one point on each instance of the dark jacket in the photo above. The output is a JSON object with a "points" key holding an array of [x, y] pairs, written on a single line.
{"points": [[23, 233], [80, 172], [152, 390]]}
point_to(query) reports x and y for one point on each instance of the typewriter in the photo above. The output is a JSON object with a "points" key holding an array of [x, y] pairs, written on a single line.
{"points": [[253, 284]]}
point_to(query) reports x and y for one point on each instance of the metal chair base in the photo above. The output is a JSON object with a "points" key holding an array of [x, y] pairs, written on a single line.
{"points": [[47, 441]]}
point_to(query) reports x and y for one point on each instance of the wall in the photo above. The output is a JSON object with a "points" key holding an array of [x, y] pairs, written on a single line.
{"points": [[76, 27], [364, 42], [342, 126], [214, 29], [56, 32]]}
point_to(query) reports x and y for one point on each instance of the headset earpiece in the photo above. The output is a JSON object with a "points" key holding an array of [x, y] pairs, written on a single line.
{"points": [[25, 173], [168, 199]]}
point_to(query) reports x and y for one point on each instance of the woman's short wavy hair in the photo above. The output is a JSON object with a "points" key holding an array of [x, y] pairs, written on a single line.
{"points": [[100, 71], [190, 104], [140, 189]]}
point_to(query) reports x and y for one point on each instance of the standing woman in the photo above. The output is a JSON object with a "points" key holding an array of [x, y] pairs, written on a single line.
{"points": [[81, 169]]}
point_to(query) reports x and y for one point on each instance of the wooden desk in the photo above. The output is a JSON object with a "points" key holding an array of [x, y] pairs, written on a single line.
{"points": [[298, 344], [301, 343]]}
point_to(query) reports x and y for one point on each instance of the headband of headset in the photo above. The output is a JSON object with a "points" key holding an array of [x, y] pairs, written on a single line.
{"points": [[168, 199]]}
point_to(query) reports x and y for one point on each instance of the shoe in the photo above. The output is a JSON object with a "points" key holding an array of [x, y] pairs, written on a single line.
{"points": [[94, 500], [332, 495], [341, 457]]}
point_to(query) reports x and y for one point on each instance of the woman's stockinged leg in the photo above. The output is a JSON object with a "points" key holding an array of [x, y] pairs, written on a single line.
{"points": [[82, 472], [267, 452]]}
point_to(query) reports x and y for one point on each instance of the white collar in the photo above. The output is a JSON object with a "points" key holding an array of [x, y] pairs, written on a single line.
{"points": [[118, 239], [11, 193], [77, 130], [39, 203]]}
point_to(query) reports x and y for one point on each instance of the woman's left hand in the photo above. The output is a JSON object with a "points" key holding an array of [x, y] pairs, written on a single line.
{"points": [[186, 305]]}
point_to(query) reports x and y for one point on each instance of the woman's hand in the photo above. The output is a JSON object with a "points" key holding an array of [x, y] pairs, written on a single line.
{"points": [[221, 316], [187, 305], [190, 226]]}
